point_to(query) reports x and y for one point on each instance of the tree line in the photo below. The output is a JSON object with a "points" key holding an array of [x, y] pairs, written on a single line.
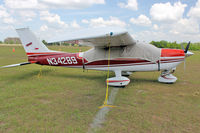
{"points": [[159, 44], [175, 45]]}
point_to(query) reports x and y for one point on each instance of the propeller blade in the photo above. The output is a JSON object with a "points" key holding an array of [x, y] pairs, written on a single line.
{"points": [[184, 64], [187, 47], [182, 47]]}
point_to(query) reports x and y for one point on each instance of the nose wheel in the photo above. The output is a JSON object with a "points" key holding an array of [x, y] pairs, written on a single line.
{"points": [[167, 77]]}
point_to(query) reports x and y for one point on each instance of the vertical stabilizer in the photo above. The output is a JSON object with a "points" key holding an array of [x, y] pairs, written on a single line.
{"points": [[30, 42]]}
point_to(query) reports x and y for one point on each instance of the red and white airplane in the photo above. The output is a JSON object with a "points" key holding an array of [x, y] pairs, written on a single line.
{"points": [[117, 52]]}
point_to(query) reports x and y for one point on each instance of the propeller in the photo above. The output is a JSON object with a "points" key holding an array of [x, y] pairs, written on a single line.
{"points": [[185, 51], [187, 47]]}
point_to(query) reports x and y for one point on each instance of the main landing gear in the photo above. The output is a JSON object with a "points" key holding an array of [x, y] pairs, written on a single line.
{"points": [[167, 77], [118, 80]]}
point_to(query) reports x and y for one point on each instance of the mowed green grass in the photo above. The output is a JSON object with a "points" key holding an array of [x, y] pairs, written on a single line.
{"points": [[66, 99]]}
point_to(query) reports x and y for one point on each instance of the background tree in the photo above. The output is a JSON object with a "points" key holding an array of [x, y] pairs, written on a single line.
{"points": [[44, 42]]}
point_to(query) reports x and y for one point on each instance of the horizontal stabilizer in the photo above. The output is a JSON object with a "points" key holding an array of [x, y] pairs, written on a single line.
{"points": [[14, 65]]}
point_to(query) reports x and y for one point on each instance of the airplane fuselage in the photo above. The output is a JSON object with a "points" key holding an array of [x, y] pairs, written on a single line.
{"points": [[169, 59]]}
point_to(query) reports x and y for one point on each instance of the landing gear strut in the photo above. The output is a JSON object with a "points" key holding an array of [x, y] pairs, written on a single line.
{"points": [[167, 77]]}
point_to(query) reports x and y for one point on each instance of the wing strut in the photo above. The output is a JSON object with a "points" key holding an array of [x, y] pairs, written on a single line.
{"points": [[105, 104], [83, 64]]}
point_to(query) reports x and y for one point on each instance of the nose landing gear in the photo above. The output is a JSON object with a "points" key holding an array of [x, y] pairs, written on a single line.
{"points": [[167, 77]]}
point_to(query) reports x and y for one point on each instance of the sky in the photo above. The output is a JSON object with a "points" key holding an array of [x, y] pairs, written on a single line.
{"points": [[145, 20]]}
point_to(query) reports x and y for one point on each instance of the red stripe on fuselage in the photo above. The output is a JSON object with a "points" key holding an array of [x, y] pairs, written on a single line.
{"points": [[118, 61], [172, 52]]}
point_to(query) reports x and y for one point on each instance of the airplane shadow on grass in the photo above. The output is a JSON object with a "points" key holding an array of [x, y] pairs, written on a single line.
{"points": [[102, 77], [23, 76], [99, 78], [143, 80], [48, 72]]}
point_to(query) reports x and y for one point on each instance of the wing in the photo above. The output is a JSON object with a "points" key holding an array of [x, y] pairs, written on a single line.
{"points": [[119, 39]]}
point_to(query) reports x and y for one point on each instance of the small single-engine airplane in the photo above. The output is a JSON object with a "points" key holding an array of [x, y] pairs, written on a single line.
{"points": [[119, 53]]}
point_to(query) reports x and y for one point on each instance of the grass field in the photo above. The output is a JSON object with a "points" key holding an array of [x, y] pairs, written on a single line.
{"points": [[66, 100]]}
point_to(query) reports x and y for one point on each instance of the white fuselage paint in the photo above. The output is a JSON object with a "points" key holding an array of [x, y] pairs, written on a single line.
{"points": [[149, 66]]}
